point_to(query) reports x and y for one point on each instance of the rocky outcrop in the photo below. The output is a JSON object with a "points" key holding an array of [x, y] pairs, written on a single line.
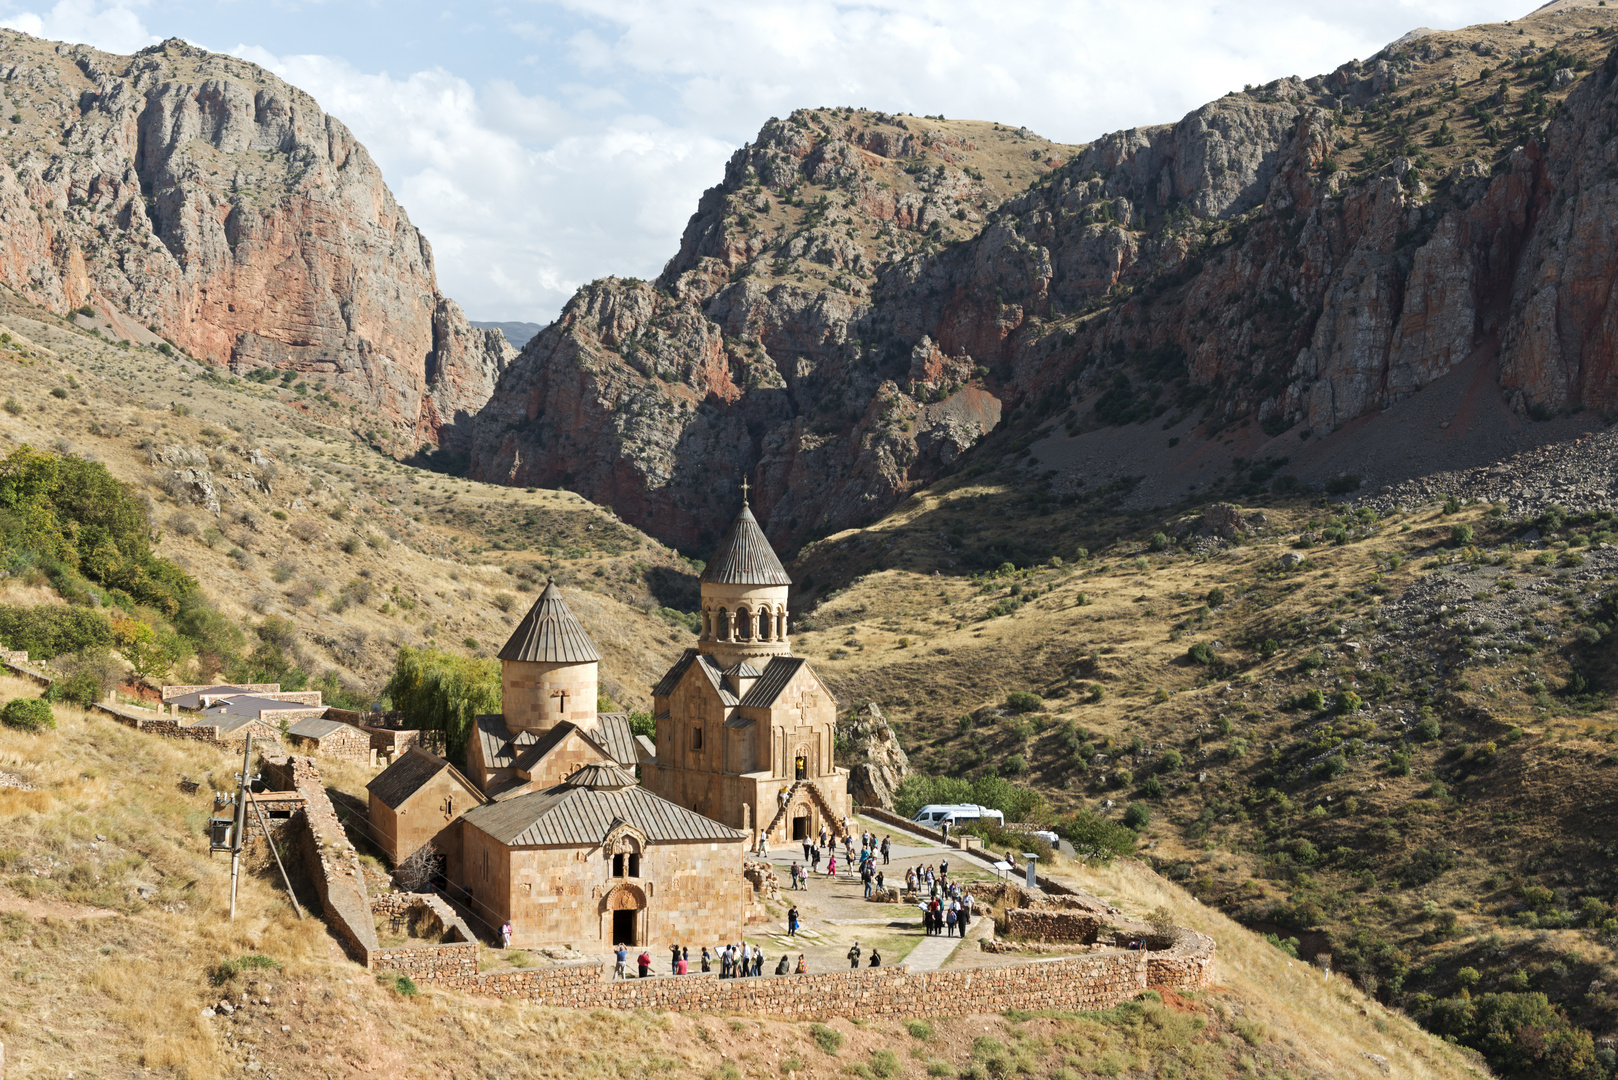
{"points": [[195, 197], [877, 763], [853, 309]]}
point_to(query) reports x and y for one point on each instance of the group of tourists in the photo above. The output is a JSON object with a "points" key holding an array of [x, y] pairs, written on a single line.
{"points": [[854, 956], [738, 961]]}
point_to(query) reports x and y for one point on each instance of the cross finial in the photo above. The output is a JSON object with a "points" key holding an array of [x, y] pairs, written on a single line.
{"points": [[744, 491]]}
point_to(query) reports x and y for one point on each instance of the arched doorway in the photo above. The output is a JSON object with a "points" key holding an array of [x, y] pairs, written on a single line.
{"points": [[627, 906]]}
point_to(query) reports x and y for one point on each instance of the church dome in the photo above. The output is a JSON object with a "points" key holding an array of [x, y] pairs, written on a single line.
{"points": [[550, 634], [745, 557]]}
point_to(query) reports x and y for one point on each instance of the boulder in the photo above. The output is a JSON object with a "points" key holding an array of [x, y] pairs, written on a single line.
{"points": [[877, 763]]}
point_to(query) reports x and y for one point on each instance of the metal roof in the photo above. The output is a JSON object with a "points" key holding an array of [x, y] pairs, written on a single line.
{"points": [[671, 678], [316, 727], [716, 676], [612, 734], [777, 673], [745, 556], [572, 816], [194, 700], [500, 747], [248, 705], [742, 670], [550, 634], [409, 774], [601, 776]]}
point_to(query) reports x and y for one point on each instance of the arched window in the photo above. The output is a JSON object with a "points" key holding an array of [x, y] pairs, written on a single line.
{"points": [[744, 624], [707, 624], [724, 625], [764, 620]]}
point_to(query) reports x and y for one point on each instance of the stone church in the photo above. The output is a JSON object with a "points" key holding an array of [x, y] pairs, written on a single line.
{"points": [[745, 730], [548, 829]]}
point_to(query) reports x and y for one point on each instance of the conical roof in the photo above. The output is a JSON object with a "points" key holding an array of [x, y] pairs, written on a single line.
{"points": [[745, 557], [550, 634]]}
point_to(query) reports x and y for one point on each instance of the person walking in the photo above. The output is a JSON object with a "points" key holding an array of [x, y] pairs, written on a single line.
{"points": [[944, 828], [505, 936], [794, 874], [865, 876], [831, 866], [792, 921], [674, 958], [814, 860], [758, 962], [807, 844], [622, 970], [887, 849], [784, 967], [854, 956], [707, 961], [644, 962]]}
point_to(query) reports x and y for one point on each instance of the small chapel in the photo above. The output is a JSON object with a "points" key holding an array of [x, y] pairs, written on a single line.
{"points": [[746, 730]]}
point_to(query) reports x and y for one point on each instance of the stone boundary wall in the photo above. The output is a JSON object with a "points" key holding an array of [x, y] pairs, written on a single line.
{"points": [[170, 727], [1039, 924], [455, 958], [1097, 981], [260, 689], [290, 716], [323, 847], [21, 667]]}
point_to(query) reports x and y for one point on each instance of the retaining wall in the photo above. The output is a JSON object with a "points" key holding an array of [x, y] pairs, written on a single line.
{"points": [[170, 727], [1071, 983], [1037, 924], [455, 958]]}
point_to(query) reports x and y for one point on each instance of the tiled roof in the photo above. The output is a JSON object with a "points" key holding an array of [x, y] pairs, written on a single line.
{"points": [[316, 727], [777, 673], [671, 678], [612, 734], [568, 815], [406, 776], [601, 776], [745, 557], [550, 634]]}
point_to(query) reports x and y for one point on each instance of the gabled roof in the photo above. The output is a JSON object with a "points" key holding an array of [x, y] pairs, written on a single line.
{"points": [[248, 705], [742, 670], [544, 744], [601, 776], [574, 816], [716, 677], [745, 556], [501, 748], [613, 735], [316, 727], [671, 678], [777, 673], [409, 774], [550, 634]]}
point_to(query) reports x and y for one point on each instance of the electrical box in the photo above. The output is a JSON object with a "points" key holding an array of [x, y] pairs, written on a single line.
{"points": [[221, 833]]}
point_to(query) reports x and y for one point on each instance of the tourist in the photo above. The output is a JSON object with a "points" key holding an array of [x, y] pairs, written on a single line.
{"points": [[758, 962], [682, 966], [823, 837], [784, 967], [794, 873], [706, 961], [943, 868], [803, 965], [807, 844], [724, 962], [910, 879], [854, 955], [505, 936], [792, 921], [879, 886], [685, 954], [949, 922], [831, 866], [944, 828], [887, 849], [644, 961], [814, 860], [865, 876], [674, 958], [876, 957], [764, 846], [622, 970]]}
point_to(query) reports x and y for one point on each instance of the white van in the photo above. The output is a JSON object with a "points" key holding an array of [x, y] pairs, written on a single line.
{"points": [[934, 815]]}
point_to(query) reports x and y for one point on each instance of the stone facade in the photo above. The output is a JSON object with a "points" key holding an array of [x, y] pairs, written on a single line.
{"points": [[346, 743], [1077, 983], [427, 815], [538, 696], [679, 891]]}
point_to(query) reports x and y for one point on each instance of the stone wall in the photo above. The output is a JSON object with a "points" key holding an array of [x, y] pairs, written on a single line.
{"points": [[330, 860], [170, 727], [345, 744], [1071, 983], [168, 693], [1037, 924], [456, 957]]}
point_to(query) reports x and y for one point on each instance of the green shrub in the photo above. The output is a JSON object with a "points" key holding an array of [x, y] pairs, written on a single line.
{"points": [[1160, 542], [1153, 788], [1452, 505], [828, 1039], [1171, 761], [226, 970], [1349, 702], [1216, 597], [1460, 536], [1332, 767], [1314, 700], [1200, 653], [1428, 729], [884, 1064], [1137, 816], [1313, 660], [920, 1029], [439, 691], [1094, 837], [28, 714], [1021, 701]]}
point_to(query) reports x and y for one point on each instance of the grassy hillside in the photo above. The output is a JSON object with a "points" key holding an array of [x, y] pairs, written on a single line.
{"points": [[113, 923], [322, 546], [1400, 751]]}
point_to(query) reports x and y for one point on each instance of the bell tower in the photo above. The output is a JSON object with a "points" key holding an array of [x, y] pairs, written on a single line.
{"points": [[744, 597]]}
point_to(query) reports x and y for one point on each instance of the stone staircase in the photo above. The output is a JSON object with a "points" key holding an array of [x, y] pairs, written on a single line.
{"points": [[833, 820]]}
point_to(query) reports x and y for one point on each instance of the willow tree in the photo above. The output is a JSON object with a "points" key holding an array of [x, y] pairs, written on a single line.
{"points": [[439, 691]]}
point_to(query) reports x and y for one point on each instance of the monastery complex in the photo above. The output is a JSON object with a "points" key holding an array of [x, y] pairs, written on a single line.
{"points": [[547, 827]]}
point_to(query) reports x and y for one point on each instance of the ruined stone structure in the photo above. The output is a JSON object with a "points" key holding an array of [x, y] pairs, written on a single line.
{"points": [[745, 730]]}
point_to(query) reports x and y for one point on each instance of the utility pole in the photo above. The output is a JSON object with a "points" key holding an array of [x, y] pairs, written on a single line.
{"points": [[243, 780]]}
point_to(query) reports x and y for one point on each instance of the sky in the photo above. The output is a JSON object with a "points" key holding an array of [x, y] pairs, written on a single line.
{"points": [[540, 144]]}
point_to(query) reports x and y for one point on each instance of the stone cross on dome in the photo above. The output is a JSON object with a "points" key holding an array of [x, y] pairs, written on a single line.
{"points": [[744, 491]]}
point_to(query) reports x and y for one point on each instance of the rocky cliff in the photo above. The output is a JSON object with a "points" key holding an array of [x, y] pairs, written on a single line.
{"points": [[865, 297], [195, 197]]}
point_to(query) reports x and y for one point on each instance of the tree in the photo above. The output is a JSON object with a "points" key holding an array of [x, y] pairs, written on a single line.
{"points": [[438, 691], [151, 650], [1137, 816], [1021, 701], [1094, 837]]}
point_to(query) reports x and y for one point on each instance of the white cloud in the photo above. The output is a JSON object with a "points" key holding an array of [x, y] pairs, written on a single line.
{"points": [[113, 27]]}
